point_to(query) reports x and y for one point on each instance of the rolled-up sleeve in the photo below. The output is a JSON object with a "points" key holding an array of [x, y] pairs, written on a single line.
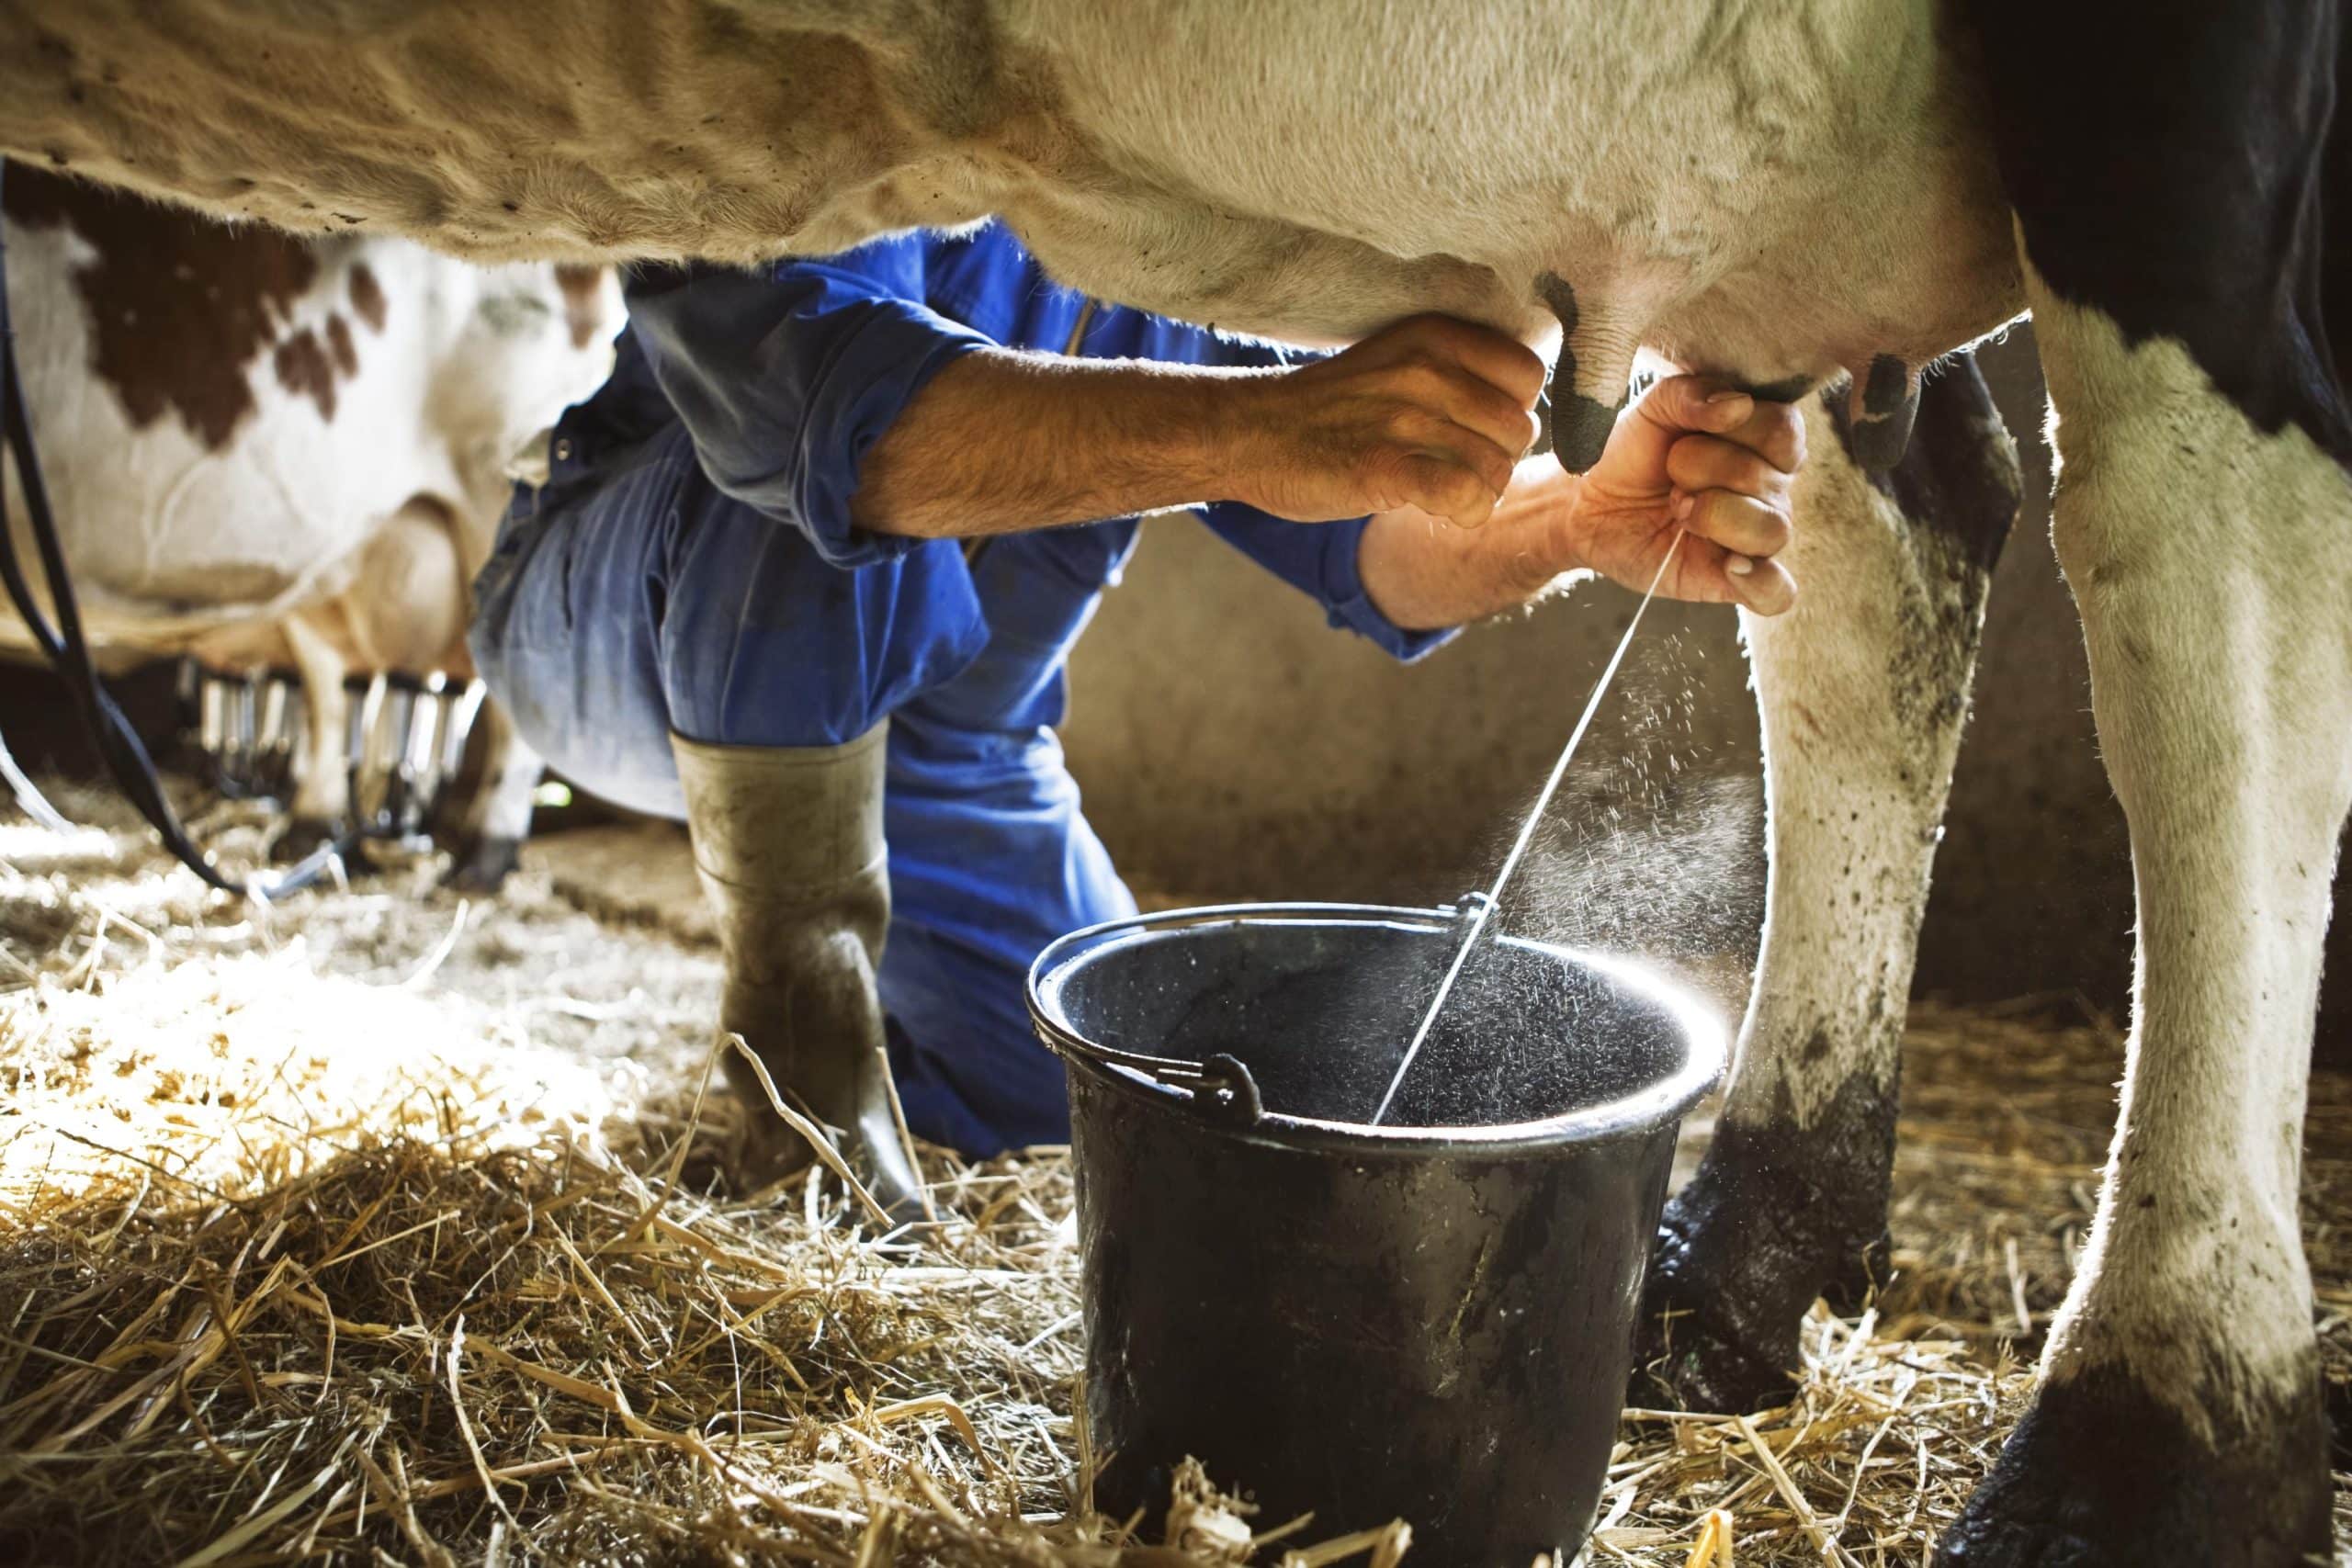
{"points": [[1320, 559], [786, 376]]}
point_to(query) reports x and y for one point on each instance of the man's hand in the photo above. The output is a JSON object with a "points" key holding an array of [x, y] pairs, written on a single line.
{"points": [[1432, 412], [1422, 424], [1691, 456], [1696, 455]]}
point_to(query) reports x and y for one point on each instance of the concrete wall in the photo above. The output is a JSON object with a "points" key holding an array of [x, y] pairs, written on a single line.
{"points": [[1230, 744]]}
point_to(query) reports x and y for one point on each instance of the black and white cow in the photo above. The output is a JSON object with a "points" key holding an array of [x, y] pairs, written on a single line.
{"points": [[1798, 193], [267, 452]]}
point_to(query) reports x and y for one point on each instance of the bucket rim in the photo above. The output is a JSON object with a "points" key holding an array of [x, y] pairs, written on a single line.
{"points": [[1660, 1104]]}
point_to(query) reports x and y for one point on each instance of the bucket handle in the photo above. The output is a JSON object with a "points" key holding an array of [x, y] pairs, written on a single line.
{"points": [[1221, 1085]]}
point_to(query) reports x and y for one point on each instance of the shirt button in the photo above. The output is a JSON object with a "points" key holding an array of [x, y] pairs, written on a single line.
{"points": [[563, 450]]}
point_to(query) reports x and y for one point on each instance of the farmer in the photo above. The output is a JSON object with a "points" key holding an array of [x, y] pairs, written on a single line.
{"points": [[806, 571]]}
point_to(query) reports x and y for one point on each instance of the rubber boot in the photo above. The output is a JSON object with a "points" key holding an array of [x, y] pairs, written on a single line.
{"points": [[788, 841]]}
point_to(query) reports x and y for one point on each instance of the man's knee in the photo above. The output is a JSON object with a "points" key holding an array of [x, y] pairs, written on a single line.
{"points": [[765, 643], [561, 640]]}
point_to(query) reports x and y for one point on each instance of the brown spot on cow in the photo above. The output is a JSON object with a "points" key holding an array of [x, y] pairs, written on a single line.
{"points": [[303, 370], [339, 344], [584, 300], [159, 354], [367, 297]]}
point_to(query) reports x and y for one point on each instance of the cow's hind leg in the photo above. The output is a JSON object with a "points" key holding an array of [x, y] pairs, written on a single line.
{"points": [[1863, 689], [320, 811], [496, 817], [2178, 1418]]}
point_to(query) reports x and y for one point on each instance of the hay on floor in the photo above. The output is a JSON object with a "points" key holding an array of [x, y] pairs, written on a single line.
{"points": [[389, 1229]]}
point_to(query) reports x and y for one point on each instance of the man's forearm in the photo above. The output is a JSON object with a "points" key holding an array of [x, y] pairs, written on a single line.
{"points": [[1001, 441], [1425, 574], [1429, 412]]}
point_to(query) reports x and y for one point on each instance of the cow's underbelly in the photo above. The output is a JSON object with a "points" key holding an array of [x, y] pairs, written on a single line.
{"points": [[1779, 189], [1784, 187], [184, 536]]}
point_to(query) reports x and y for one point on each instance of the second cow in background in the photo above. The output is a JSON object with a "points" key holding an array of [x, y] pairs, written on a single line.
{"points": [[266, 452]]}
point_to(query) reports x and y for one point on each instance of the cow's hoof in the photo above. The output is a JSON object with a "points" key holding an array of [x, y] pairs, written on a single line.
{"points": [[2102, 1475], [1858, 1275], [305, 836], [484, 865], [1697, 1351], [1776, 1214]]}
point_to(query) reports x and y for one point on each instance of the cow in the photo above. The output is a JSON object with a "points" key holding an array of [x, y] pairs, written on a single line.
{"points": [[1801, 194], [270, 453]]}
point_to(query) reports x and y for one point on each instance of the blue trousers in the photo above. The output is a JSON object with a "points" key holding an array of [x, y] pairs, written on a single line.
{"points": [[629, 598]]}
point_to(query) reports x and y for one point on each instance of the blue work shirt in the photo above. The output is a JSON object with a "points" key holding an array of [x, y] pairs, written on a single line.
{"points": [[691, 566], [785, 379]]}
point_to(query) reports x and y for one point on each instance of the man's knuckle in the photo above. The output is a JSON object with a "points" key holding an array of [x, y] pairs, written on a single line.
{"points": [[1425, 379], [1403, 420], [1500, 409]]}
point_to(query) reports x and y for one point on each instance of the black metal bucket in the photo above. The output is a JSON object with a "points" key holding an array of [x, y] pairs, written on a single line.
{"points": [[1431, 1319]]}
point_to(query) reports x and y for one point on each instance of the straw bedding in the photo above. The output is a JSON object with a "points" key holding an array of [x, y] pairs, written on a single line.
{"points": [[387, 1227]]}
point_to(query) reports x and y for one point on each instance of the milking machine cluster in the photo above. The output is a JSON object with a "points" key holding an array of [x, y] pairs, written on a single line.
{"points": [[404, 741]]}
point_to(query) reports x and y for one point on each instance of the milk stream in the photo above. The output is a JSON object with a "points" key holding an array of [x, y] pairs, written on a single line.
{"points": [[1484, 904]]}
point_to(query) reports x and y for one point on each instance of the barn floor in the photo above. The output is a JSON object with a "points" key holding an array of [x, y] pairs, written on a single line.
{"points": [[388, 1225]]}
